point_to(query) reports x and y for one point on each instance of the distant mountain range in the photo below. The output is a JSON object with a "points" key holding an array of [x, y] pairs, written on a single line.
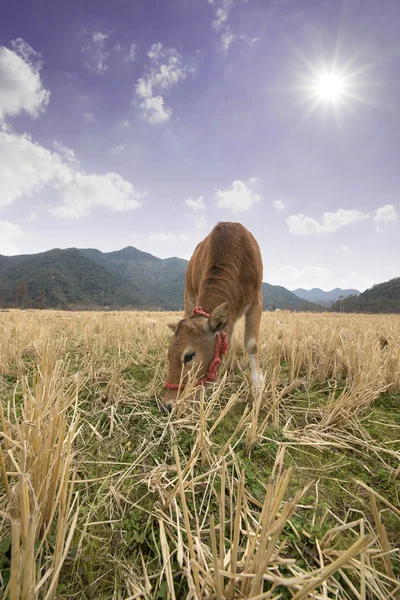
{"points": [[317, 295], [127, 278]]}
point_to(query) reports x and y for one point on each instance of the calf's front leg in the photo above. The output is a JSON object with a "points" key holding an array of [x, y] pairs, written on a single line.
{"points": [[251, 335]]}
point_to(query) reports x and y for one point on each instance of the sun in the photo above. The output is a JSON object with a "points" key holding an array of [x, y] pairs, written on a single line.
{"points": [[336, 87], [330, 87]]}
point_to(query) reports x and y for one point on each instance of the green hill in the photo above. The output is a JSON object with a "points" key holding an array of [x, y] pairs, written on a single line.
{"points": [[68, 277], [127, 278], [279, 297], [381, 298]]}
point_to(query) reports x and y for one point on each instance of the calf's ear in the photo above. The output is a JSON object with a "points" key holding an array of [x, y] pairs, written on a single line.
{"points": [[172, 326], [218, 319]]}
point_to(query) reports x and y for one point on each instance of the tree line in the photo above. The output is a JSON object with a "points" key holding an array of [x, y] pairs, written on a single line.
{"points": [[371, 301], [360, 304], [21, 295]]}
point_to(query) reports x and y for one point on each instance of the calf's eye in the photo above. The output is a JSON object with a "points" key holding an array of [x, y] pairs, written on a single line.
{"points": [[188, 358]]}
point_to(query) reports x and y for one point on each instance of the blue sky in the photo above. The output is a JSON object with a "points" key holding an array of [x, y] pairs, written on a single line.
{"points": [[146, 122]]}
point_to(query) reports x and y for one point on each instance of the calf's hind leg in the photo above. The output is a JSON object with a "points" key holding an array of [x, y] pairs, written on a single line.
{"points": [[251, 334]]}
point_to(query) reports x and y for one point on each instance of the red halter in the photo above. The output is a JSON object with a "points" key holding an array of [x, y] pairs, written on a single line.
{"points": [[221, 347]]}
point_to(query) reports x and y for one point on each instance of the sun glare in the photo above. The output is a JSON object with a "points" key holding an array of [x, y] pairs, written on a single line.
{"points": [[329, 87], [334, 87]]}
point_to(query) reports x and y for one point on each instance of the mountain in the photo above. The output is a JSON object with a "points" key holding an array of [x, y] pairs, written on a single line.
{"points": [[127, 278], [280, 297], [381, 298], [161, 281], [319, 296], [67, 277]]}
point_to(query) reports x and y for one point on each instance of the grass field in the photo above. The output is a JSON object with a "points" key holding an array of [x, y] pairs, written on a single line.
{"points": [[292, 495]]}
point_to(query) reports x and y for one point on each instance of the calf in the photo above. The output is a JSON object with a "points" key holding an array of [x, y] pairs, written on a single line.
{"points": [[223, 283]]}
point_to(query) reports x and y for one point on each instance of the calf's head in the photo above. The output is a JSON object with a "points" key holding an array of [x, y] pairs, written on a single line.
{"points": [[193, 347]]}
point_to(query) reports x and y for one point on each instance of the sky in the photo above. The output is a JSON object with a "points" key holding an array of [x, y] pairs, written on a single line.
{"points": [[145, 122]]}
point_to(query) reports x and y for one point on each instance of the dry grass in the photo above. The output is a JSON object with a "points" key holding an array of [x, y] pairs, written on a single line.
{"points": [[291, 494], [38, 476]]}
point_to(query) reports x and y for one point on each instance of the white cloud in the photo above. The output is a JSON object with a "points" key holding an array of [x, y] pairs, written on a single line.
{"points": [[156, 52], [199, 222], [32, 217], [279, 205], [89, 117], [97, 51], [224, 7], [130, 54], [9, 233], [306, 277], [220, 22], [27, 168], [127, 53], [30, 56], [239, 197], [154, 110], [167, 70], [248, 40], [118, 149], [98, 37], [94, 52], [330, 222], [196, 204], [21, 88], [86, 192], [344, 248], [226, 39], [66, 153], [168, 237], [385, 214]]}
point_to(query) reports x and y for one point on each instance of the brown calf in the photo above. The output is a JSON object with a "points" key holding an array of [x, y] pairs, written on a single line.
{"points": [[223, 283]]}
